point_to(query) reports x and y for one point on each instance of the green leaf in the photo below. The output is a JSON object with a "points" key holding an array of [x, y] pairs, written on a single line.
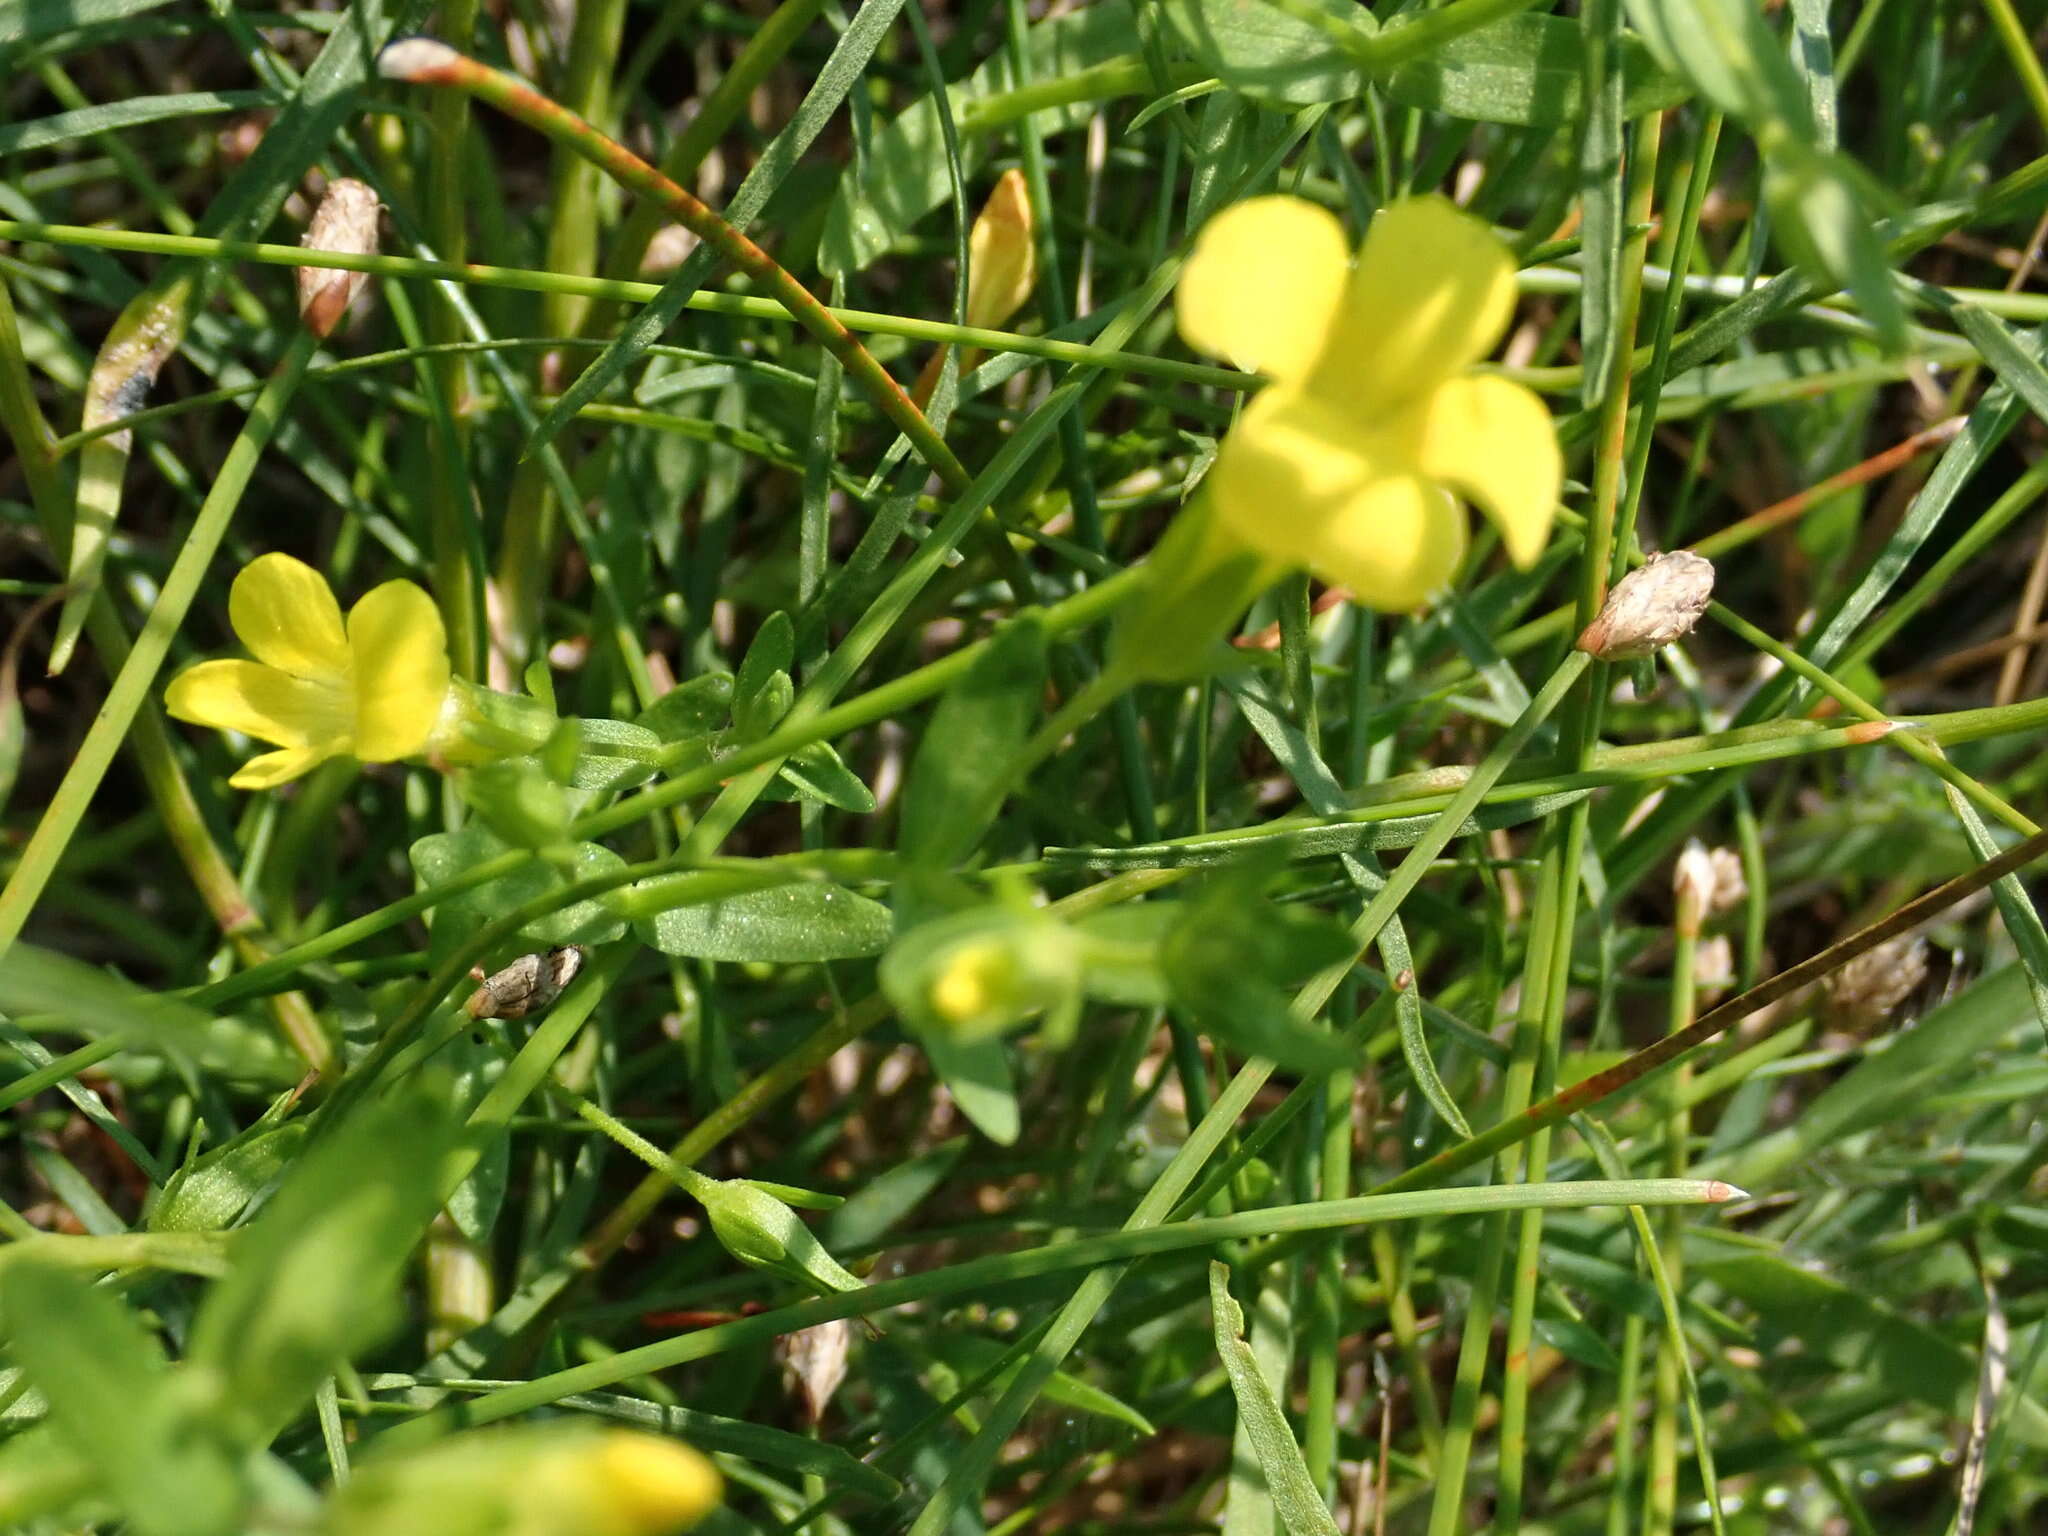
{"points": [[2015, 908], [613, 755], [838, 75], [1295, 1500], [1888, 1084], [819, 773], [442, 856], [1529, 71], [23, 21], [1269, 56], [800, 920], [1861, 1335], [972, 1354], [773, 651], [132, 112], [36, 981], [977, 1074], [317, 1277], [208, 1193], [1230, 963], [114, 1399], [1602, 192], [965, 762], [1524, 70], [690, 710], [905, 175]]}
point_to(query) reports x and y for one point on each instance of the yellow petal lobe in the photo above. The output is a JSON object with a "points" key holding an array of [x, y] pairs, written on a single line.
{"points": [[1396, 543], [286, 615], [1002, 254], [401, 670], [1493, 442], [1299, 483], [1431, 294], [263, 702], [653, 1485], [1263, 285], [275, 768]]}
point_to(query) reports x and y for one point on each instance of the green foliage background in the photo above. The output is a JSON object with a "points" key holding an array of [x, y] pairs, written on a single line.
{"points": [[1274, 962]]}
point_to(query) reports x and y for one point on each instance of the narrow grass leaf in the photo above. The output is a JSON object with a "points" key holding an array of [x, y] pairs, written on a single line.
{"points": [[836, 77]]}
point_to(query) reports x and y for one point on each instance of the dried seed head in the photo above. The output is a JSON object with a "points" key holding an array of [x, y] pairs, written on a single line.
{"points": [[1869, 989], [528, 985], [816, 1361], [346, 223], [672, 243], [1651, 607], [1713, 968], [1707, 880]]}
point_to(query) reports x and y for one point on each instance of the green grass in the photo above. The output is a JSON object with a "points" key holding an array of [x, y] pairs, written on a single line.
{"points": [[1344, 964]]}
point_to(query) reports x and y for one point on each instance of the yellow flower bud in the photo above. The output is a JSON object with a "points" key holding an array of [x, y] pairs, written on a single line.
{"points": [[1002, 254], [973, 977], [535, 1480]]}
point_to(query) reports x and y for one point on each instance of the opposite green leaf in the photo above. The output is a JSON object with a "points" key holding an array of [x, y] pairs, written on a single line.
{"points": [[1300, 1508], [803, 920]]}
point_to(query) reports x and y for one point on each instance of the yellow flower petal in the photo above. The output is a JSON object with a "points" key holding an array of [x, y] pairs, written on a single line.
{"points": [[653, 1485], [286, 614], [1431, 294], [275, 768], [262, 702], [401, 670], [1002, 254], [1263, 284], [1299, 483], [1493, 442], [1395, 543]]}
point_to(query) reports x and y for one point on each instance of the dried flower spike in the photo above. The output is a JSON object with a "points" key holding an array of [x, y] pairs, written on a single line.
{"points": [[1651, 607], [528, 985], [1869, 989], [346, 223]]}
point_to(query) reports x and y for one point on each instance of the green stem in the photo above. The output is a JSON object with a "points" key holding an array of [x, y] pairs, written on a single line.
{"points": [[743, 306]]}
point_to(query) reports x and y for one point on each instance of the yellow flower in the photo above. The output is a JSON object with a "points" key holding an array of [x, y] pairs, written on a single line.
{"points": [[318, 689], [1353, 461]]}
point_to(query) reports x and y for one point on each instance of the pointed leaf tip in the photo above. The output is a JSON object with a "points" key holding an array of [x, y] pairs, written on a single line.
{"points": [[416, 58]]}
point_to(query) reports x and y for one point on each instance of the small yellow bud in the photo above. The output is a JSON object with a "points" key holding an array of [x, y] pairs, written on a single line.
{"points": [[345, 222], [1002, 254], [975, 977], [654, 1485]]}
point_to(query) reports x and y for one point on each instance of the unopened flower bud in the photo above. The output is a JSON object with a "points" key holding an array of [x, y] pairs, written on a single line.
{"points": [[1002, 254], [1651, 607], [346, 223], [758, 1229], [1707, 881], [976, 974], [1713, 967], [816, 1361]]}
